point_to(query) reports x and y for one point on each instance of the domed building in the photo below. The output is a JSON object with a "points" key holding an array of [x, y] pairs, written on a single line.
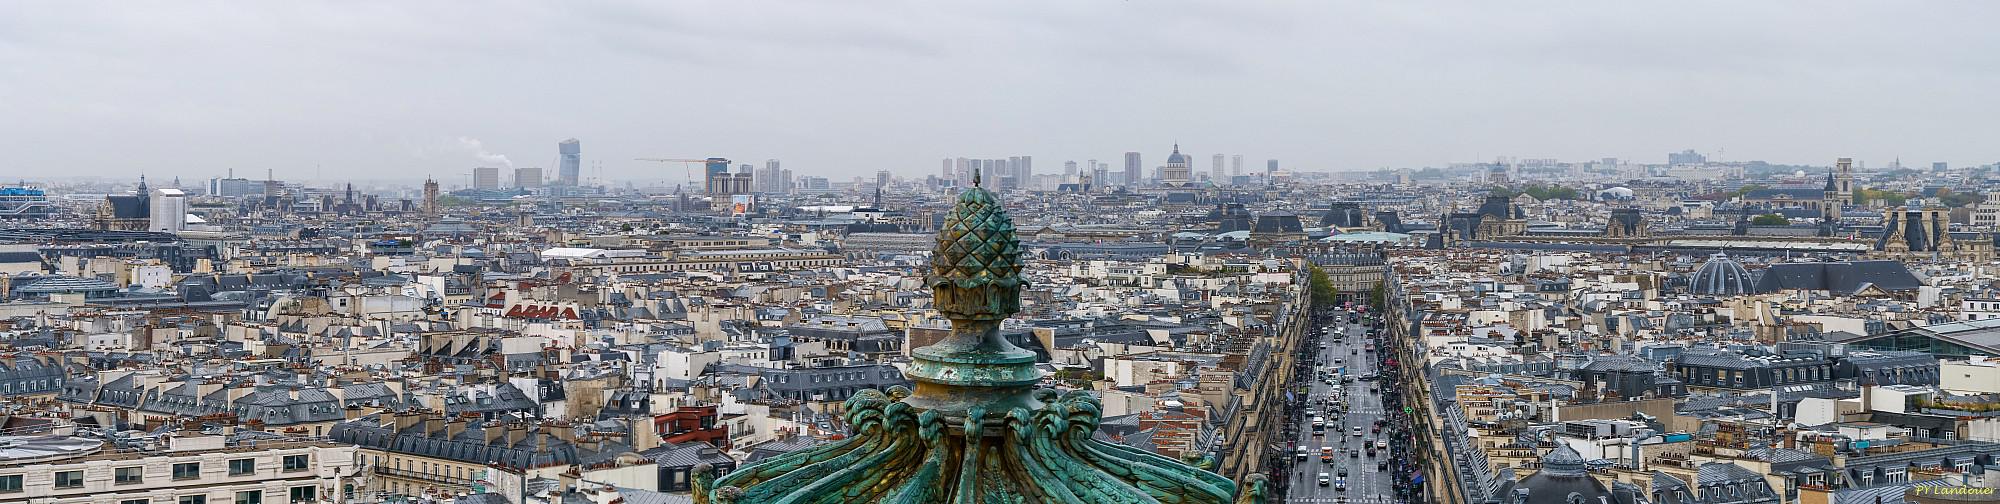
{"points": [[1178, 172], [1562, 480], [1721, 276]]}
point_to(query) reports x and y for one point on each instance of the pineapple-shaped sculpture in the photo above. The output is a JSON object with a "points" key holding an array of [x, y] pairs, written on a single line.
{"points": [[976, 268]]}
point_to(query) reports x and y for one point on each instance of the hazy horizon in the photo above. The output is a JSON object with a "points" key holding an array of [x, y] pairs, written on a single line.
{"points": [[393, 91]]}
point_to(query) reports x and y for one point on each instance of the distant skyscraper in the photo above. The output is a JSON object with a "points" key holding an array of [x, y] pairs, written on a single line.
{"points": [[882, 179], [1010, 174], [527, 177], [1236, 165], [1215, 172], [1686, 157], [1132, 168], [1025, 171], [772, 179], [1270, 167], [716, 180], [486, 178], [570, 164], [946, 172], [1069, 170]]}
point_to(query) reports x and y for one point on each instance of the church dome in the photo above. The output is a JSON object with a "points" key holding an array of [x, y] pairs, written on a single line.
{"points": [[1562, 480], [1720, 276], [1177, 158]]}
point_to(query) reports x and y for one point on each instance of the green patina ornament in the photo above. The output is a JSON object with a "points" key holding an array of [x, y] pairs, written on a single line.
{"points": [[975, 429]]}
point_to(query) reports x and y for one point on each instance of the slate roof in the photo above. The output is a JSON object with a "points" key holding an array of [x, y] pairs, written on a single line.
{"points": [[1664, 482], [1717, 473], [537, 449], [1838, 277], [20, 257], [686, 455], [779, 447], [27, 375], [129, 206], [1624, 363], [275, 406]]}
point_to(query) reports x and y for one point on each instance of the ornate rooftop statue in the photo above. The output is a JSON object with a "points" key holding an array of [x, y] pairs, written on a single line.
{"points": [[975, 430]]}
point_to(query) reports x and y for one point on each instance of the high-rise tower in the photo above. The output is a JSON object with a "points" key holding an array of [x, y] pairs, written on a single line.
{"points": [[570, 163], [1132, 163], [527, 177], [486, 178]]}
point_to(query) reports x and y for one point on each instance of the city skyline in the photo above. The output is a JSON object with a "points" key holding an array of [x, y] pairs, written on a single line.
{"points": [[1432, 252], [1324, 87]]}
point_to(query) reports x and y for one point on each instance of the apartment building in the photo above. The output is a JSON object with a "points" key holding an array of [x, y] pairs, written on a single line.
{"points": [[189, 469]]}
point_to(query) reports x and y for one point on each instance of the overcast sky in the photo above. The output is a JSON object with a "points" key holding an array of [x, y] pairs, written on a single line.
{"points": [[404, 89]]}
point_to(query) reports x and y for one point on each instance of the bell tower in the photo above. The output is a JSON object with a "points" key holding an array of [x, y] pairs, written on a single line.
{"points": [[1844, 178]]}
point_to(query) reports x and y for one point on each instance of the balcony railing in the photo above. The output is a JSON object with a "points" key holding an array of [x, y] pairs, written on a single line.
{"points": [[435, 478]]}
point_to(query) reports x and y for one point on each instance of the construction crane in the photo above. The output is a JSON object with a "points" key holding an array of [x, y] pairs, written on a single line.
{"points": [[690, 169]]}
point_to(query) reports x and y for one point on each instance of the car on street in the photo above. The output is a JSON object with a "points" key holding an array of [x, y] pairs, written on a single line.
{"points": [[1340, 486], [1381, 444], [1303, 453], [1382, 466], [1357, 431], [1324, 479]]}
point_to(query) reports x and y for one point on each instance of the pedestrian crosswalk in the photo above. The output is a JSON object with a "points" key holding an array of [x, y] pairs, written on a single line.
{"points": [[1356, 499]]}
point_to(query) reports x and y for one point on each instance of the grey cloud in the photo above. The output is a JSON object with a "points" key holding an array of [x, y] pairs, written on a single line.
{"points": [[844, 88]]}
